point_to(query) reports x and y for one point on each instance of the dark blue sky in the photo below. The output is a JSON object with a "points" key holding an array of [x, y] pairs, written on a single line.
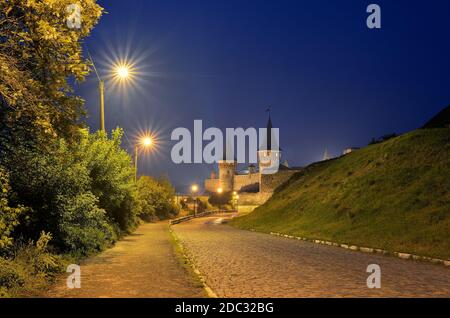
{"points": [[330, 80]]}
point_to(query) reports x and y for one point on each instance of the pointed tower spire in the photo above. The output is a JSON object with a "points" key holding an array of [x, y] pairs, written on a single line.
{"points": [[326, 156]]}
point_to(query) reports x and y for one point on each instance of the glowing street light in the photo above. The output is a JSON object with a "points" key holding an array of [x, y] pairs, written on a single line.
{"points": [[122, 72], [219, 190], [146, 142]]}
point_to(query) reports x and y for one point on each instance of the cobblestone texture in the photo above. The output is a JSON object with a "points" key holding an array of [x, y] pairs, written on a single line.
{"points": [[240, 263]]}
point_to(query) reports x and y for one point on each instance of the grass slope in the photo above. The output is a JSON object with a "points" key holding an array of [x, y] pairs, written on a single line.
{"points": [[394, 195]]}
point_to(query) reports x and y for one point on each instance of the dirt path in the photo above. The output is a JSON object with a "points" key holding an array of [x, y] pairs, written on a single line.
{"points": [[143, 264], [240, 263]]}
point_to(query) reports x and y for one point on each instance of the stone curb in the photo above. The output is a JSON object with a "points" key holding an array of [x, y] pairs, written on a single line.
{"points": [[201, 278], [368, 250]]}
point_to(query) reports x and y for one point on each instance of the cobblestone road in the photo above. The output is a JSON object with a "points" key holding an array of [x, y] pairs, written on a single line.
{"points": [[240, 263], [143, 264]]}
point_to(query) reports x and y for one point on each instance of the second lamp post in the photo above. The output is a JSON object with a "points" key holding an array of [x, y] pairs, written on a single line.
{"points": [[145, 142]]}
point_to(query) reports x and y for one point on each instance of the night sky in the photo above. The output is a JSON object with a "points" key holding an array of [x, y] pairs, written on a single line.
{"points": [[331, 82]]}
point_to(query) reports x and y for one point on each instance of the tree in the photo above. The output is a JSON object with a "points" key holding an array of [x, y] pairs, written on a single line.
{"points": [[83, 189], [111, 175], [39, 56], [156, 198], [220, 199]]}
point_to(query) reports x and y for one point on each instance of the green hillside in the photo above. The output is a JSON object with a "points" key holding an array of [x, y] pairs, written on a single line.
{"points": [[394, 195], [441, 120]]}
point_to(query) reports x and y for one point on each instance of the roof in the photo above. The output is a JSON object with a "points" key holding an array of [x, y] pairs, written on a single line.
{"points": [[267, 143]]}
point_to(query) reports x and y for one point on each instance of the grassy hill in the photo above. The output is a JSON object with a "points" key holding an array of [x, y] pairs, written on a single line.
{"points": [[441, 120], [394, 195]]}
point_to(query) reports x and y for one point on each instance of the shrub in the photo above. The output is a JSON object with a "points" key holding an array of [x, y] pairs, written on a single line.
{"points": [[30, 268], [38, 178], [111, 176], [83, 227], [37, 257], [156, 199], [9, 217], [10, 275], [82, 193], [220, 199]]}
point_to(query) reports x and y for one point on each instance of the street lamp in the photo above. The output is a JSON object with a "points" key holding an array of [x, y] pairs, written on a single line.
{"points": [[146, 142], [122, 71], [194, 189]]}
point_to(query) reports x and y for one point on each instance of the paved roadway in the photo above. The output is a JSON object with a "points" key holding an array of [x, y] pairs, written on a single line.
{"points": [[143, 264], [239, 263]]}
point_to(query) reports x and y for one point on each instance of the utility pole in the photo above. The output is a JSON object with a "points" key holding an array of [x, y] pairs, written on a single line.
{"points": [[101, 88]]}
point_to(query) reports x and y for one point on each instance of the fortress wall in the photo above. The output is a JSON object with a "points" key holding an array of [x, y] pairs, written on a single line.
{"points": [[241, 181], [211, 185], [253, 198], [269, 182]]}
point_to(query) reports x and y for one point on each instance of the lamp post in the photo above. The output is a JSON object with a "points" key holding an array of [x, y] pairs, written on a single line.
{"points": [[121, 72], [101, 88], [194, 189], [145, 142]]}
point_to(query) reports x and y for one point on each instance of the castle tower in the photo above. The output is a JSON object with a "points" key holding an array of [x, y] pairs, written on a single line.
{"points": [[269, 153], [227, 171]]}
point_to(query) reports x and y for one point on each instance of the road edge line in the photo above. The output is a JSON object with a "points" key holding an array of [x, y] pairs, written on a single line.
{"points": [[369, 250], [209, 292]]}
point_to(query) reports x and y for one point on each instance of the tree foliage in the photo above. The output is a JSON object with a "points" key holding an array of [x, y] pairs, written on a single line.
{"points": [[220, 199], [39, 56], [9, 217], [82, 190], [156, 198], [111, 175]]}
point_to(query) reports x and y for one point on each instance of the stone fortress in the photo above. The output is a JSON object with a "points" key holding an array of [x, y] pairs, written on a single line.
{"points": [[253, 185]]}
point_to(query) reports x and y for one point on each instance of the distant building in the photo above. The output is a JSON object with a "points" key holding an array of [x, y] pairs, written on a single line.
{"points": [[253, 186], [326, 155], [349, 150]]}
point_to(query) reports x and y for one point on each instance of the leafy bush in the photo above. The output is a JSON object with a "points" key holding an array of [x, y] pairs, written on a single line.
{"points": [[37, 257], [111, 176], [220, 199], [83, 227], [38, 178], [9, 217], [30, 268], [10, 274], [156, 199], [82, 193], [202, 206]]}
